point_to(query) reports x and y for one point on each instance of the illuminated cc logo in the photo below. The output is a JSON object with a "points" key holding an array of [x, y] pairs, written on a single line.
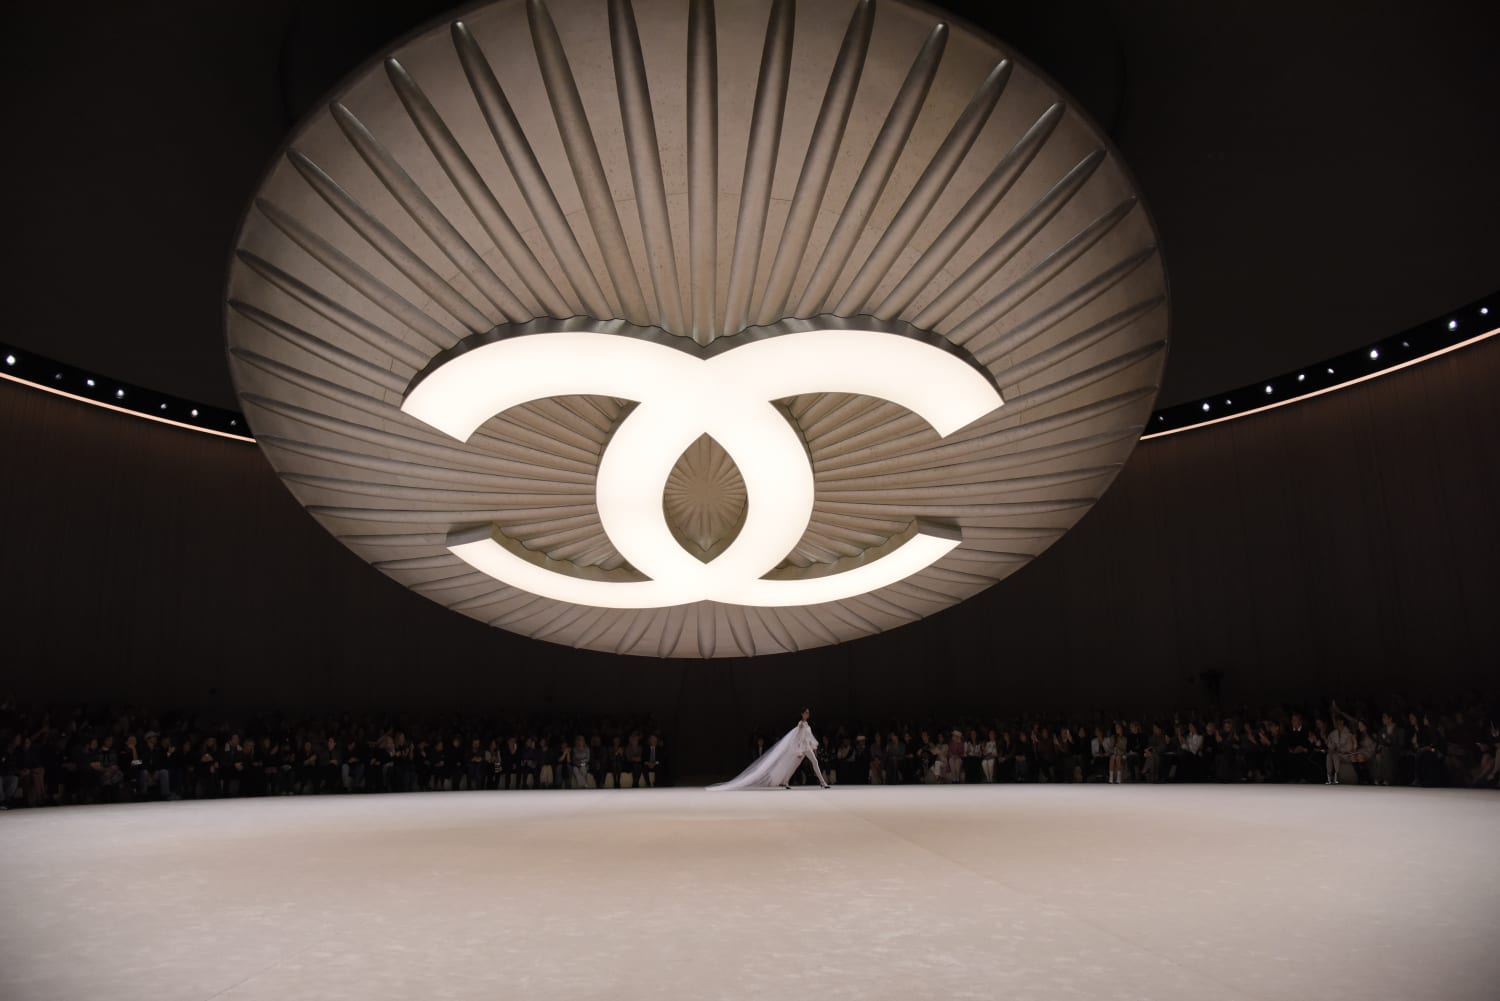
{"points": [[683, 392]]}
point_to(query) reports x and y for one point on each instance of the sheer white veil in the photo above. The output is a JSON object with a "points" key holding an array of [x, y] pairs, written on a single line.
{"points": [[772, 769]]}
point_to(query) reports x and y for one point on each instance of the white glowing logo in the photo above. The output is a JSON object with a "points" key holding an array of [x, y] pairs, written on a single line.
{"points": [[682, 395]]}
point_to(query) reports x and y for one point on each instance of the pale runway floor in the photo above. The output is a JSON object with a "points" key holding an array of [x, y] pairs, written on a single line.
{"points": [[1049, 892]]}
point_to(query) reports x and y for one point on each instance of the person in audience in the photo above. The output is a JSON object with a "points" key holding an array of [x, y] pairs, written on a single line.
{"points": [[1218, 752], [633, 759], [353, 772], [475, 766], [1118, 748], [1364, 752], [1022, 760], [1190, 749], [494, 768], [10, 770], [1487, 774], [895, 758], [33, 772], [1043, 753], [1340, 746], [973, 755], [1296, 750], [615, 762], [206, 775], [1254, 749], [261, 767], [988, 756], [651, 761], [1153, 758], [954, 763], [510, 763], [562, 765], [1390, 744], [1135, 750], [1426, 743]]}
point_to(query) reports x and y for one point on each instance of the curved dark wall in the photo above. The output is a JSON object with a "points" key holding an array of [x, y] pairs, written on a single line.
{"points": [[1347, 543]]}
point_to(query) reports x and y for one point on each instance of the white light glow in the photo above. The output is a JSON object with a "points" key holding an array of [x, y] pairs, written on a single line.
{"points": [[1374, 354], [491, 558], [10, 359], [1452, 324], [680, 397]]}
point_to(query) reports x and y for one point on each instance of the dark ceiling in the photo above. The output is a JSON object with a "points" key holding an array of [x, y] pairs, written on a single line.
{"points": [[1322, 174]]}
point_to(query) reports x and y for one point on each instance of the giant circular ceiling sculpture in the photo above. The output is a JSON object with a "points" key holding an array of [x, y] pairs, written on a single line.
{"points": [[696, 329]]}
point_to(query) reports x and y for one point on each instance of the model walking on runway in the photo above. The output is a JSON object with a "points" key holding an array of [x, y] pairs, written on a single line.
{"points": [[779, 763]]}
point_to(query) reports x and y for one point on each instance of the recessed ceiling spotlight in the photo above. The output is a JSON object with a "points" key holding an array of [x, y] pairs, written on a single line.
{"points": [[1484, 311], [1205, 408], [88, 382], [1330, 371], [57, 377], [234, 423], [1374, 353], [1452, 324], [164, 406], [1228, 403], [1269, 390], [1301, 376], [1405, 344], [119, 394], [10, 359], [195, 413]]}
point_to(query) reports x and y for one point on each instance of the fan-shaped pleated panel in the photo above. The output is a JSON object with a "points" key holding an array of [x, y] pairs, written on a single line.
{"points": [[699, 167]]}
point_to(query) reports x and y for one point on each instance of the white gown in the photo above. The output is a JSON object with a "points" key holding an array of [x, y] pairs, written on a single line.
{"points": [[775, 768]]}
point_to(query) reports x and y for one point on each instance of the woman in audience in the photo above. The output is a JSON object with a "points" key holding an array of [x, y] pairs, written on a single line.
{"points": [[1119, 747], [1102, 748], [955, 757], [578, 761]]}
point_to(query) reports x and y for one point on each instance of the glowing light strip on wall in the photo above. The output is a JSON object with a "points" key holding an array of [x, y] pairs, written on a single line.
{"points": [[1392, 354], [1328, 389], [36, 372]]}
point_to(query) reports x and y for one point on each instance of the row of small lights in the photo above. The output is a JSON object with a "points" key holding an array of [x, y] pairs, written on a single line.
{"points": [[1432, 339], [28, 369]]}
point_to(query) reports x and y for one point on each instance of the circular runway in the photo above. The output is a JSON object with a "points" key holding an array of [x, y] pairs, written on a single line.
{"points": [[1017, 892]]}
